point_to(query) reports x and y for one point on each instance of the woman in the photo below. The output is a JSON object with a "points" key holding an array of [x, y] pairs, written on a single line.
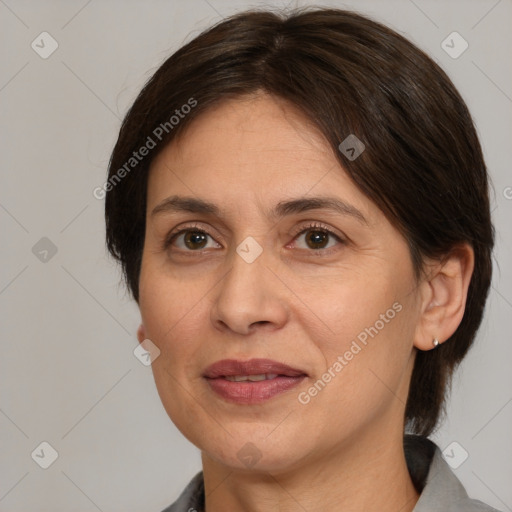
{"points": [[300, 208]]}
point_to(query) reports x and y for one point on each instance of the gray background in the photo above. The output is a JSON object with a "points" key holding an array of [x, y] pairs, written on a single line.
{"points": [[67, 370]]}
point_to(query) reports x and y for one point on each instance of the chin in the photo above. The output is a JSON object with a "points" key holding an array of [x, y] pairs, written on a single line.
{"points": [[240, 453]]}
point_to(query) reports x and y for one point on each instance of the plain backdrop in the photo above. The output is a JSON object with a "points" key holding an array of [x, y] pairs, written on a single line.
{"points": [[68, 374]]}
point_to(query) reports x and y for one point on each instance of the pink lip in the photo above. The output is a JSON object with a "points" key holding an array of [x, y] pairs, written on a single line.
{"points": [[251, 392], [229, 367]]}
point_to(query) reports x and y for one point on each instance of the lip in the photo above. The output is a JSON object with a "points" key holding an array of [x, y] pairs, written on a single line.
{"points": [[248, 392], [230, 367]]}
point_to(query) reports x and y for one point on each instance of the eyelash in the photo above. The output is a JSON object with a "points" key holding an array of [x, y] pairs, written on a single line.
{"points": [[304, 229]]}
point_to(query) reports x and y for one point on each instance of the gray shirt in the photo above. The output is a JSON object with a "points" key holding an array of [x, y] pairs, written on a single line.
{"points": [[440, 490]]}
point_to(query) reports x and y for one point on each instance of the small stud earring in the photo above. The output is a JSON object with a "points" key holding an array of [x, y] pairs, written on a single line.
{"points": [[435, 342]]}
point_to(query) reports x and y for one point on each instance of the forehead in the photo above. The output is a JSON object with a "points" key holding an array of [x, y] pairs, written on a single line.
{"points": [[259, 126], [250, 150]]}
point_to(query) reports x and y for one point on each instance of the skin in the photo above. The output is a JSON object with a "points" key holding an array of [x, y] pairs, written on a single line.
{"points": [[296, 304]]}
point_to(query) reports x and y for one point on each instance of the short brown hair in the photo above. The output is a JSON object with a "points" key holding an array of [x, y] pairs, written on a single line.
{"points": [[423, 164]]}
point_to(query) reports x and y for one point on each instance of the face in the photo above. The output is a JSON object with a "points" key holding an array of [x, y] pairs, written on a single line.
{"points": [[259, 247]]}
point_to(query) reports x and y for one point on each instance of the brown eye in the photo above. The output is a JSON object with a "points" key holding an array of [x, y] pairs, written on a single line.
{"points": [[317, 239], [190, 240], [195, 239]]}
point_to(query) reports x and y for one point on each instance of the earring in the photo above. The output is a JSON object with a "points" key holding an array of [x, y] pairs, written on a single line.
{"points": [[435, 342]]}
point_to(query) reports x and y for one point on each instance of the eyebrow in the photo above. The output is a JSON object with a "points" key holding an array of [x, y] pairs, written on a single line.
{"points": [[176, 204]]}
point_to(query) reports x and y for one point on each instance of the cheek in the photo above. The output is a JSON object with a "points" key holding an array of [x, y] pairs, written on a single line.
{"points": [[166, 302], [376, 381], [349, 303], [366, 346], [172, 317]]}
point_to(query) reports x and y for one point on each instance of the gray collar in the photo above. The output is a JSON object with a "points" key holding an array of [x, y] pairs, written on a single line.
{"points": [[443, 492]]}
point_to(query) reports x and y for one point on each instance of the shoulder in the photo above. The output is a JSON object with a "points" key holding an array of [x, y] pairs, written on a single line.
{"points": [[440, 488]]}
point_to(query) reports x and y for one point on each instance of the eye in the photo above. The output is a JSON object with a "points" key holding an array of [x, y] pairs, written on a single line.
{"points": [[317, 237], [191, 239]]}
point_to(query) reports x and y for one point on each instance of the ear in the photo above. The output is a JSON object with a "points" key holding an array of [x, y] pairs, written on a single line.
{"points": [[141, 333], [443, 297]]}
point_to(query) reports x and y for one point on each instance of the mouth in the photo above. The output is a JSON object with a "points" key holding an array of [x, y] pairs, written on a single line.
{"points": [[251, 378], [251, 382]]}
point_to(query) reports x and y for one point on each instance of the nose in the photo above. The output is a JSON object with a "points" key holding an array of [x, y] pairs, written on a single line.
{"points": [[249, 297]]}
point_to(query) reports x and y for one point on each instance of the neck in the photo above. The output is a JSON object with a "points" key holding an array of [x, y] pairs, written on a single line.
{"points": [[367, 474]]}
